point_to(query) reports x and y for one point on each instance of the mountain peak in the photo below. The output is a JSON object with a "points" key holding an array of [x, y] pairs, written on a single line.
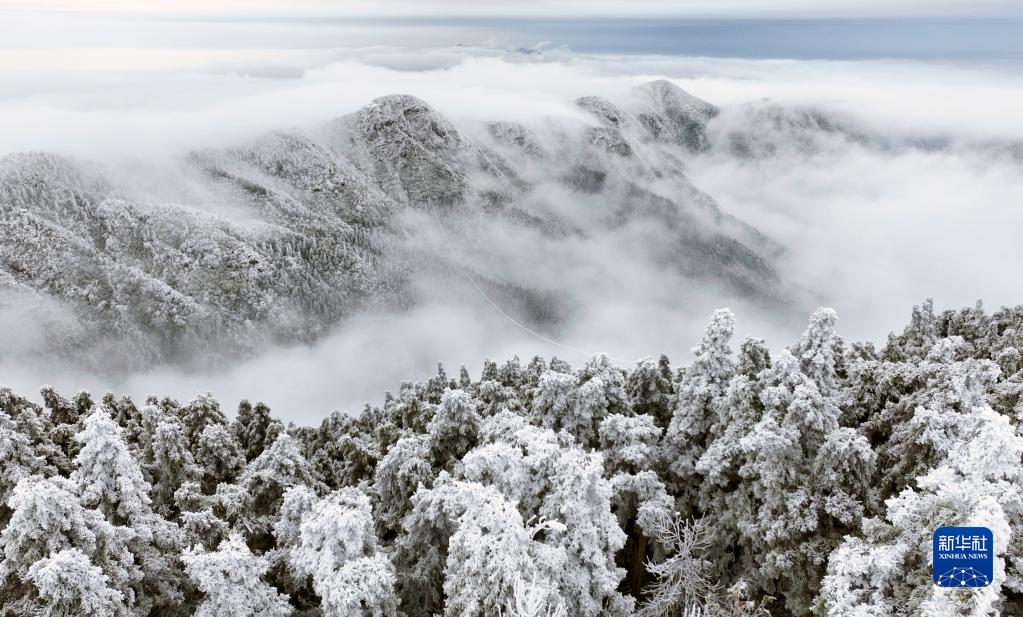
{"points": [[411, 116], [674, 115], [666, 96], [410, 148]]}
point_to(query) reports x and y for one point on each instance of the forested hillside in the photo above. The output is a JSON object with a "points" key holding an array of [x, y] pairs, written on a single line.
{"points": [[280, 239], [804, 481]]}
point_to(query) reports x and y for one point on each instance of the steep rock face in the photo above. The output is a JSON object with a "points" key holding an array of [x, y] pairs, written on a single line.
{"points": [[608, 136], [653, 172], [414, 154], [297, 230], [409, 150]]}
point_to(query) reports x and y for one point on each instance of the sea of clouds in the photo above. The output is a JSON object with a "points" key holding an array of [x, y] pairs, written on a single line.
{"points": [[927, 201]]}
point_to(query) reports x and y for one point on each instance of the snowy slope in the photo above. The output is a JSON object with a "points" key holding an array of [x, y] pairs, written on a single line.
{"points": [[325, 226]]}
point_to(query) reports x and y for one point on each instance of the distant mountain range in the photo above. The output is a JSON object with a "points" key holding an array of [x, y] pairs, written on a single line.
{"points": [[280, 239]]}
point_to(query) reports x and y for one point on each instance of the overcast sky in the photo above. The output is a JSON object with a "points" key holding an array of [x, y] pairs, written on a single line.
{"points": [[575, 8]]}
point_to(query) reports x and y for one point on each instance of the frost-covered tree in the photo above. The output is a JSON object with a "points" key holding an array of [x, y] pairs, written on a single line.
{"points": [[203, 527], [534, 599], [917, 338], [420, 553], [278, 468], [579, 497], [589, 411], [255, 428], [819, 351], [796, 522], [298, 501], [231, 578], [629, 443], [65, 421], [886, 570], [577, 404], [404, 469], [453, 430], [169, 463], [946, 380], [344, 450], [726, 496], [110, 479], [494, 398], [31, 421], [63, 411], [702, 386], [640, 502], [490, 553], [612, 381], [337, 548], [681, 585], [554, 480], [818, 475], [651, 389], [48, 518], [69, 584], [128, 417], [554, 403], [19, 461], [107, 476], [199, 414], [218, 455], [410, 410]]}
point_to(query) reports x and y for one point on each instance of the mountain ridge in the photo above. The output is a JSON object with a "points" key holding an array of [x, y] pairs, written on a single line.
{"points": [[326, 238]]}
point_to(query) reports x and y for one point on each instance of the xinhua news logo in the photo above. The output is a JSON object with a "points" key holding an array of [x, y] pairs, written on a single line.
{"points": [[964, 557]]}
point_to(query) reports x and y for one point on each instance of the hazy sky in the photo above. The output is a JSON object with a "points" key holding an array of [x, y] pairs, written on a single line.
{"points": [[575, 8]]}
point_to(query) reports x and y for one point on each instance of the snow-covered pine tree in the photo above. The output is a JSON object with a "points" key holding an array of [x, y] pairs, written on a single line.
{"points": [[107, 476], [453, 429], [404, 469], [168, 461], [19, 462], [219, 456], [255, 428], [48, 518], [702, 386], [726, 496], [69, 584], [231, 578], [263, 483], [651, 389], [337, 548]]}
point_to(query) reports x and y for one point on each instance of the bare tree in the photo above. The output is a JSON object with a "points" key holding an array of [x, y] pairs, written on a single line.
{"points": [[535, 600], [681, 587]]}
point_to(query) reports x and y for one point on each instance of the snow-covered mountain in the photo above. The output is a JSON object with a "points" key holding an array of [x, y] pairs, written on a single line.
{"points": [[281, 238]]}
